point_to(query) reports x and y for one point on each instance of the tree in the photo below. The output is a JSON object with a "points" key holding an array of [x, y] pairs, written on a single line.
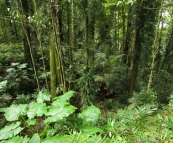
{"points": [[56, 56], [144, 35]]}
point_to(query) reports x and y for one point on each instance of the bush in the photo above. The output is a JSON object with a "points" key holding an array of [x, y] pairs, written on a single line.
{"points": [[88, 89], [45, 122], [19, 79], [143, 98]]}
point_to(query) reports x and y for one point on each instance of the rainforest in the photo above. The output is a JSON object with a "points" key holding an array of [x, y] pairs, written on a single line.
{"points": [[86, 71]]}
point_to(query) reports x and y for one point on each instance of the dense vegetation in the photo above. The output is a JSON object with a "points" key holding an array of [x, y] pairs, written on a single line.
{"points": [[86, 71]]}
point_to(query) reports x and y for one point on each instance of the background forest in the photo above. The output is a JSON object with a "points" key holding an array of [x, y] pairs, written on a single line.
{"points": [[115, 54]]}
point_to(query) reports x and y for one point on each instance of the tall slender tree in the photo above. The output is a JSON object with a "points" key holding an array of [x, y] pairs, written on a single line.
{"points": [[56, 56], [144, 35]]}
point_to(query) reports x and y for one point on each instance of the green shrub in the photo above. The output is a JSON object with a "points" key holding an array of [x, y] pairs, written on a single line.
{"points": [[88, 89], [142, 98], [36, 117], [162, 84], [47, 122], [19, 79], [10, 53]]}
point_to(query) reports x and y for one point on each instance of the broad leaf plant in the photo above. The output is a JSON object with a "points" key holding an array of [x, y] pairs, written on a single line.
{"points": [[32, 123]]}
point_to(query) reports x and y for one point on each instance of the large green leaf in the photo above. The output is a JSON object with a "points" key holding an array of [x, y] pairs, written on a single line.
{"points": [[55, 139], [17, 140], [90, 130], [63, 99], [13, 112], [10, 131], [36, 109], [31, 122], [90, 115], [35, 138], [59, 113], [43, 96]]}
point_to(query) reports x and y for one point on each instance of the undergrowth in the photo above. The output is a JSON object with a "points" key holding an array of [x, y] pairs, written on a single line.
{"points": [[43, 121]]}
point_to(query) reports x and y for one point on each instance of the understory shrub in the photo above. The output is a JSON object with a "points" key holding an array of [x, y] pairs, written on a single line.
{"points": [[10, 53], [142, 98], [162, 84], [88, 89], [19, 79], [44, 122]]}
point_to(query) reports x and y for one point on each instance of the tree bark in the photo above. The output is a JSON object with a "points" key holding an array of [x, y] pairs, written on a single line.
{"points": [[28, 50], [54, 7], [137, 50], [53, 81]]}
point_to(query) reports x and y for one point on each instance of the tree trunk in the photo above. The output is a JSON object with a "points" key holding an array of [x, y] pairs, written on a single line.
{"points": [[26, 32], [128, 37], [54, 7], [123, 27], [136, 51], [86, 34], [146, 19], [155, 51], [53, 81], [28, 50]]}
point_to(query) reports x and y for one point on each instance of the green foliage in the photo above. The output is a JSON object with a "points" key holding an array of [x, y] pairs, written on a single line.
{"points": [[90, 130], [36, 109], [114, 59], [17, 139], [3, 85], [63, 99], [40, 121], [142, 98], [13, 112], [111, 104], [10, 131], [162, 85], [19, 79], [51, 123], [78, 138], [110, 3], [88, 89], [108, 30], [90, 115], [59, 113], [140, 124], [35, 138], [171, 101], [5, 100], [43, 96], [4, 97], [29, 114], [60, 108], [112, 75], [23, 99], [10, 53]]}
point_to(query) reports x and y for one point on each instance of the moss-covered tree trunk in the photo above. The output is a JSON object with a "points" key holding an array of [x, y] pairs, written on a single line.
{"points": [[56, 57], [53, 78], [86, 34], [146, 18], [135, 48], [155, 49]]}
